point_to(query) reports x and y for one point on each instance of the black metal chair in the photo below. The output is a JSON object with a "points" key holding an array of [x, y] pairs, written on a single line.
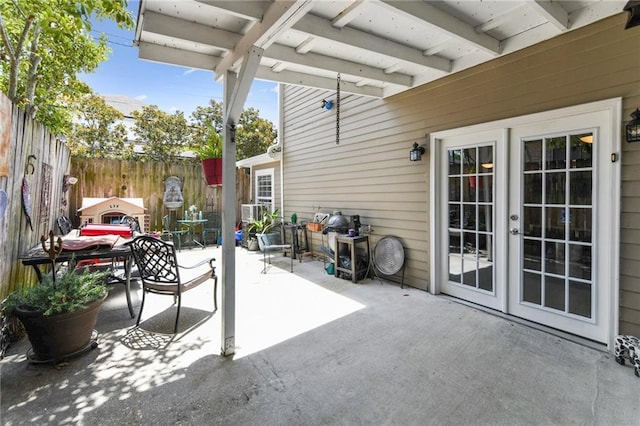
{"points": [[160, 273], [268, 247]]}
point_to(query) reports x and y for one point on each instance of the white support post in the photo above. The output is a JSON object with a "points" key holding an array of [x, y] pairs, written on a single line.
{"points": [[236, 90], [228, 275]]}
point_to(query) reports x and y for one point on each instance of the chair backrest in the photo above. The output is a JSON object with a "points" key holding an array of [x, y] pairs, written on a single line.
{"points": [[156, 260], [64, 225], [214, 220]]}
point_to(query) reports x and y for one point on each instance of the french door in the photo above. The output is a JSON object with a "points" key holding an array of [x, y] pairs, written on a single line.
{"points": [[528, 214]]}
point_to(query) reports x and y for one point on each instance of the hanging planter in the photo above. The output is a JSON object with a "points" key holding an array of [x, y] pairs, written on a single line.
{"points": [[210, 152], [212, 169]]}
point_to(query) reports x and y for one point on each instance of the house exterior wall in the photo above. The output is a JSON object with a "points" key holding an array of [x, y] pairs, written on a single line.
{"points": [[369, 172]]}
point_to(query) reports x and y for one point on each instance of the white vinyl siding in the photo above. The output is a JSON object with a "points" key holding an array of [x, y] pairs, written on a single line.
{"points": [[369, 172]]}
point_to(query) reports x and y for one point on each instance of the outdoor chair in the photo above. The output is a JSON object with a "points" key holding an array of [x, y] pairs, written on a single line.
{"points": [[212, 227], [174, 235], [160, 272], [267, 248]]}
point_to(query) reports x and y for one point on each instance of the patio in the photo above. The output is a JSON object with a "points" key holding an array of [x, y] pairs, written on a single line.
{"points": [[313, 349]]}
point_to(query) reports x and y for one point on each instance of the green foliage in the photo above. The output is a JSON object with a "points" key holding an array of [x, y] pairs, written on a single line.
{"points": [[164, 136], [98, 132], [71, 291], [212, 147], [253, 134], [267, 223], [44, 45]]}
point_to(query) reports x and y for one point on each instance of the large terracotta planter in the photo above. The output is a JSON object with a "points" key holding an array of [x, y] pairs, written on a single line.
{"points": [[57, 337], [212, 168]]}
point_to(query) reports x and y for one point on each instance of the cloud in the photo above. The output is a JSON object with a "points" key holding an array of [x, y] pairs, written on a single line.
{"points": [[274, 89], [189, 71], [140, 97]]}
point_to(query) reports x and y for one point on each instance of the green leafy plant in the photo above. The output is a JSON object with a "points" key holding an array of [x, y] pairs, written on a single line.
{"points": [[266, 224], [70, 292], [212, 148]]}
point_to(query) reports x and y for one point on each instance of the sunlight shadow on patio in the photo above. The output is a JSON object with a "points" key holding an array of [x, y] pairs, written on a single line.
{"points": [[277, 306]]}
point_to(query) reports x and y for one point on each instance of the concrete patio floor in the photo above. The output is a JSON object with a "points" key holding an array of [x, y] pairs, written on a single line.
{"points": [[316, 350]]}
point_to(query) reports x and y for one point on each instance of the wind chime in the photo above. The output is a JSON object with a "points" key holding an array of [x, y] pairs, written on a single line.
{"points": [[338, 111]]}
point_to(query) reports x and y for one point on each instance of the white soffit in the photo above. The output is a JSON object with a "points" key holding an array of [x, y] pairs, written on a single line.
{"points": [[379, 47]]}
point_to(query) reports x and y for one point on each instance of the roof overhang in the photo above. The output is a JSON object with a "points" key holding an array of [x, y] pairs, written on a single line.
{"points": [[378, 47]]}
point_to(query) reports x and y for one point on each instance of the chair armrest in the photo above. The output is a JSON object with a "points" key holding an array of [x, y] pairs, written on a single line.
{"points": [[202, 262]]}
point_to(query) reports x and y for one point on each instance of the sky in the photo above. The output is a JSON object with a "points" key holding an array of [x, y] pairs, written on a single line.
{"points": [[171, 88]]}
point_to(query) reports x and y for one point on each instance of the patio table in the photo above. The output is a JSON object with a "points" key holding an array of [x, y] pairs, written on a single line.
{"points": [[36, 256], [192, 224]]}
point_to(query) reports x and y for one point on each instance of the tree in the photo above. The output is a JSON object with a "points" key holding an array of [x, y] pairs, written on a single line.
{"points": [[253, 133], [44, 44], [99, 131], [163, 136]]}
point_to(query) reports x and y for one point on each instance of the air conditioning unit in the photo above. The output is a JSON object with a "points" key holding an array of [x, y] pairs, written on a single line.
{"points": [[252, 212]]}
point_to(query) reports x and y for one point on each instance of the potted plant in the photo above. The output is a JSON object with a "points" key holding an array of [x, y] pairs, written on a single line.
{"points": [[59, 315], [210, 153], [265, 226]]}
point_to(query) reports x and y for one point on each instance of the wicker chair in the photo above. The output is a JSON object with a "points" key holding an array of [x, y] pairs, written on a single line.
{"points": [[160, 273]]}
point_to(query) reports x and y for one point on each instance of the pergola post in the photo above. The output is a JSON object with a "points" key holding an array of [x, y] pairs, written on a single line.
{"points": [[236, 90]]}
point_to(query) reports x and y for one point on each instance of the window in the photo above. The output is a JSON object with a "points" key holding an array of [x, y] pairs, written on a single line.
{"points": [[264, 192]]}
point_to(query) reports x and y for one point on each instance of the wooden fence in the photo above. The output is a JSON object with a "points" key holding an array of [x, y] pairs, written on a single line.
{"points": [[103, 178], [31, 156], [29, 151]]}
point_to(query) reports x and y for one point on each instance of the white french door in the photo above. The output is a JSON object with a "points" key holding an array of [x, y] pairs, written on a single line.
{"points": [[471, 242], [527, 216]]}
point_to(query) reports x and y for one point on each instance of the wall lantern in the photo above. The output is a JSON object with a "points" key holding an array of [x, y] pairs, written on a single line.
{"points": [[416, 153], [633, 127], [633, 8], [327, 104]]}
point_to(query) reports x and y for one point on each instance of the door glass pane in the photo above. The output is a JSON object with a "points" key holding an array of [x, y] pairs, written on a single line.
{"points": [[556, 152], [531, 288], [469, 216], [532, 221], [532, 254], [469, 188], [533, 155], [455, 157], [555, 188], [485, 188], [469, 268], [580, 298], [455, 256], [554, 258], [580, 225], [532, 188], [454, 188], [554, 292], [554, 223], [469, 161], [581, 150], [485, 276], [486, 162], [455, 213], [484, 218], [580, 261], [580, 188]]}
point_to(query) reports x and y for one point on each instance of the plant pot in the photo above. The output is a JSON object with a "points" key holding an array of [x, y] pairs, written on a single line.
{"points": [[253, 245], [56, 337], [212, 169], [272, 238]]}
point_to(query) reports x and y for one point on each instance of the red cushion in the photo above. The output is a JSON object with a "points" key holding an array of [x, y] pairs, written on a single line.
{"points": [[93, 229]]}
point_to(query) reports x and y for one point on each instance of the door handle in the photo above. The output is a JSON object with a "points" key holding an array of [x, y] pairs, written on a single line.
{"points": [[514, 231]]}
